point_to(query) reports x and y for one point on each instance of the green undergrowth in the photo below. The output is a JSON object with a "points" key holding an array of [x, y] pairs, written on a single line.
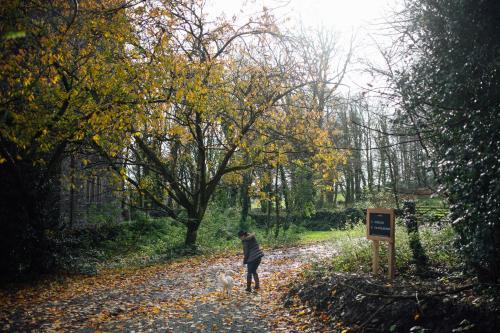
{"points": [[218, 233], [139, 242], [148, 240], [356, 253]]}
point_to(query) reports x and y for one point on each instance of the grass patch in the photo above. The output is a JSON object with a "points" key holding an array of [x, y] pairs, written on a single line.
{"points": [[309, 236], [431, 202], [356, 253]]}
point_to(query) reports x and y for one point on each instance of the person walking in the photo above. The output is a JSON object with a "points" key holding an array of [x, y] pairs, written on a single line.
{"points": [[252, 258]]}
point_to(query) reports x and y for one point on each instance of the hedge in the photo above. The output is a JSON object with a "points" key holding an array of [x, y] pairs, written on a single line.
{"points": [[320, 221]]}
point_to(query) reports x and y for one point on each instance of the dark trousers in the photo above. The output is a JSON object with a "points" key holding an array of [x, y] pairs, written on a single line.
{"points": [[252, 269]]}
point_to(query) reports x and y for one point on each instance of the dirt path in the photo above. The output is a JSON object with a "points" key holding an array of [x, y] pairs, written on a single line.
{"points": [[180, 296]]}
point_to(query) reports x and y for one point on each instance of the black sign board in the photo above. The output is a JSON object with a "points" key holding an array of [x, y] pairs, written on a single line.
{"points": [[380, 227], [380, 224]]}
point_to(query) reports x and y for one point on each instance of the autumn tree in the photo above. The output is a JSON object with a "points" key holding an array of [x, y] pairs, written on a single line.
{"points": [[206, 91], [63, 71], [213, 106], [314, 176]]}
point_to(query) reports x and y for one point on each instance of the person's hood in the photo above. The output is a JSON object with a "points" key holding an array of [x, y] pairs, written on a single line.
{"points": [[248, 237]]}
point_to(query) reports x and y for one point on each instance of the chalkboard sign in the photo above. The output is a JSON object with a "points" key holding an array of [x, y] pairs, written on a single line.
{"points": [[380, 224], [380, 227]]}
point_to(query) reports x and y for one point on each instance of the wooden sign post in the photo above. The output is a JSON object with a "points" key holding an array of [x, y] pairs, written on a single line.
{"points": [[380, 227]]}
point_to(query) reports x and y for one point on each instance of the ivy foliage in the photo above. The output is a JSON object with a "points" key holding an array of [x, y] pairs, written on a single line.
{"points": [[450, 86]]}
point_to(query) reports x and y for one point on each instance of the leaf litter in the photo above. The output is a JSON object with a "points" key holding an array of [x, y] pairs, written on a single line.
{"points": [[179, 296]]}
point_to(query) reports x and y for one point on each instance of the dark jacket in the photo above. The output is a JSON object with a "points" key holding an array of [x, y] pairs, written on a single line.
{"points": [[251, 249]]}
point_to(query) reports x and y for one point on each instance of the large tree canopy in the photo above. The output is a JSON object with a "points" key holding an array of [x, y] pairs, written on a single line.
{"points": [[64, 74], [212, 105]]}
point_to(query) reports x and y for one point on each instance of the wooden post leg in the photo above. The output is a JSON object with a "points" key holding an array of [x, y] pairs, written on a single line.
{"points": [[376, 257], [392, 260]]}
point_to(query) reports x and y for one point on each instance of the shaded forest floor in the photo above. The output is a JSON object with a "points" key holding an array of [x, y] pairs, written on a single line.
{"points": [[180, 296]]}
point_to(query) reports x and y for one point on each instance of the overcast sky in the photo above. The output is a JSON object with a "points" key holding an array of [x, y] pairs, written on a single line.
{"points": [[343, 15], [361, 18]]}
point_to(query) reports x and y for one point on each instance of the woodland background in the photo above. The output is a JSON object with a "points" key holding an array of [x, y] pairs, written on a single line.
{"points": [[148, 130]]}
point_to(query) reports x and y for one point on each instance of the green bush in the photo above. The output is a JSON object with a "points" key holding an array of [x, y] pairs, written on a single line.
{"points": [[453, 85], [135, 242], [384, 198], [220, 227], [289, 237], [147, 240], [326, 219], [433, 217], [104, 214]]}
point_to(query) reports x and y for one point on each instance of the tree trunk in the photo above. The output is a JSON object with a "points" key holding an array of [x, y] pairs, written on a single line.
{"points": [[72, 191], [191, 233], [357, 168], [285, 196], [277, 202], [245, 198], [348, 179], [193, 223], [265, 202], [394, 177], [335, 194], [232, 196]]}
